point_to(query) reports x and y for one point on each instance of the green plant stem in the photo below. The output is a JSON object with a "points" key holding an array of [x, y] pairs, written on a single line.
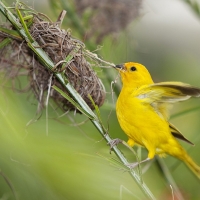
{"points": [[169, 178], [184, 112], [11, 33], [9, 184], [194, 5], [47, 62], [5, 42]]}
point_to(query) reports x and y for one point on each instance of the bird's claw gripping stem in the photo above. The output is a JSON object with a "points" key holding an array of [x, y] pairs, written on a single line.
{"points": [[114, 142], [132, 165], [135, 164]]}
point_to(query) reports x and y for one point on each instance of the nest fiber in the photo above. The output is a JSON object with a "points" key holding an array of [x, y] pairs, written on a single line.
{"points": [[68, 56]]}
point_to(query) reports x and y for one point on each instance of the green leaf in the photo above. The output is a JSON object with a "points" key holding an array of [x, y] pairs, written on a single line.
{"points": [[5, 42], [75, 104]]}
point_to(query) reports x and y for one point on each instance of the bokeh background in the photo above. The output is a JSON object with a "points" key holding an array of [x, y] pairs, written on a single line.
{"points": [[70, 160]]}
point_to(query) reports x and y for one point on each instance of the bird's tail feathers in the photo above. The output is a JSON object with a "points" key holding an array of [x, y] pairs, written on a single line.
{"points": [[192, 165]]}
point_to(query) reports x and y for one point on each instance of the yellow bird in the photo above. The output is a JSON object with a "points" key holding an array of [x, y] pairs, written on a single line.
{"points": [[143, 111]]}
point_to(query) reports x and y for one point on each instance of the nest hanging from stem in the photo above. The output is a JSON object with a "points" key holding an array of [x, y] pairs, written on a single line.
{"points": [[68, 56]]}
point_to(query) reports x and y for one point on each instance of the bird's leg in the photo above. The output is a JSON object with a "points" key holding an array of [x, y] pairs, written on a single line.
{"points": [[114, 142], [135, 164], [151, 155], [131, 142]]}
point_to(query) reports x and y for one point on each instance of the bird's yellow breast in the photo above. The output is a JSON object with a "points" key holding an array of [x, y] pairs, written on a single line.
{"points": [[139, 120]]}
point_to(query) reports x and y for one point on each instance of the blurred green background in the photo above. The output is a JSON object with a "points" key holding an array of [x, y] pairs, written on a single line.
{"points": [[73, 161]]}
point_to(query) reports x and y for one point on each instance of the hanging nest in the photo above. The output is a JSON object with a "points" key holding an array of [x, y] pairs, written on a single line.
{"points": [[17, 59], [107, 17]]}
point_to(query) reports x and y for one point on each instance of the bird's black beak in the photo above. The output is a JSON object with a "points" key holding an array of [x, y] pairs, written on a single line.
{"points": [[120, 66]]}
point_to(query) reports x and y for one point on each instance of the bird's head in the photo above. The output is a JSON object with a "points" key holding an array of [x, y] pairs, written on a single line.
{"points": [[134, 74]]}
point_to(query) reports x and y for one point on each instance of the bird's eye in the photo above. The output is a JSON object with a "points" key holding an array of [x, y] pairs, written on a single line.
{"points": [[133, 69]]}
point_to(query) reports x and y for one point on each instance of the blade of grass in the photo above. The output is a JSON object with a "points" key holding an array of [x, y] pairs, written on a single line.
{"points": [[73, 102], [194, 4], [5, 42], [169, 178], [23, 23], [70, 56], [9, 184], [185, 112], [11, 33]]}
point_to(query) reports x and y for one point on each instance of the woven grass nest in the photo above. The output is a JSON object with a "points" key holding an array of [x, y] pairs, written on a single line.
{"points": [[16, 59]]}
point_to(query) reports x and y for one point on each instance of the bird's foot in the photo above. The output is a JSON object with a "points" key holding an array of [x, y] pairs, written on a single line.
{"points": [[132, 165], [135, 164], [114, 142]]}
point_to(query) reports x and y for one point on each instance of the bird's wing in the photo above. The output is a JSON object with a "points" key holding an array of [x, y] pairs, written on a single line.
{"points": [[177, 134], [162, 95], [168, 92], [176, 91]]}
